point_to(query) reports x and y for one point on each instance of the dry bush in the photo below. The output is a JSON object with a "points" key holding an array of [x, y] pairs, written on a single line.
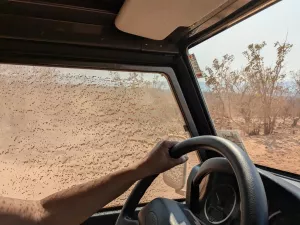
{"points": [[253, 97]]}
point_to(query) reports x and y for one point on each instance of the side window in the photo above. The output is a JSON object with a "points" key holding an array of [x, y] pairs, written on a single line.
{"points": [[62, 126], [250, 78]]}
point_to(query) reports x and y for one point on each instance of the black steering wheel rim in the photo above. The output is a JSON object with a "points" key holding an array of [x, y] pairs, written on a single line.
{"points": [[254, 208]]}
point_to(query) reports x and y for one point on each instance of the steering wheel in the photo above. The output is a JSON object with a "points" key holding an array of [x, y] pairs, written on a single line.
{"points": [[254, 209]]}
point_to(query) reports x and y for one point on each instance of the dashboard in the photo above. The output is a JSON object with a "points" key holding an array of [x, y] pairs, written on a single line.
{"points": [[221, 203]]}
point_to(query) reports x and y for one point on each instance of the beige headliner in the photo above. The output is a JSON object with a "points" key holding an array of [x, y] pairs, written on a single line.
{"points": [[156, 19]]}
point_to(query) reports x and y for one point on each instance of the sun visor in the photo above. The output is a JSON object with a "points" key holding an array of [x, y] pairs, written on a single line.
{"points": [[156, 19]]}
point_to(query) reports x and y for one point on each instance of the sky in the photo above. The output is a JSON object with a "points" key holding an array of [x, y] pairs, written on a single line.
{"points": [[273, 24]]}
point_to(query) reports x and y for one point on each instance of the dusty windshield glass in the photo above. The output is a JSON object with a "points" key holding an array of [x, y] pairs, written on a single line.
{"points": [[65, 126], [250, 77]]}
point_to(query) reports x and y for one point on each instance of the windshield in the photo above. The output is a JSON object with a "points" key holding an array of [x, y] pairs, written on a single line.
{"points": [[250, 78], [65, 126]]}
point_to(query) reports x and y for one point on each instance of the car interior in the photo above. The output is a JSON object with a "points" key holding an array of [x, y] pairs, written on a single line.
{"points": [[225, 186]]}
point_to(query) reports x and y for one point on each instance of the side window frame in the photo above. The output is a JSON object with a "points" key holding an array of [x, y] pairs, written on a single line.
{"points": [[207, 34]]}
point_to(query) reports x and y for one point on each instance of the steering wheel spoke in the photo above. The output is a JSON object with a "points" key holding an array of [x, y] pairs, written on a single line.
{"points": [[126, 216]]}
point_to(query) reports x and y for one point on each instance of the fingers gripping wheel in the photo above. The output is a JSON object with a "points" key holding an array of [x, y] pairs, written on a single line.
{"points": [[254, 208]]}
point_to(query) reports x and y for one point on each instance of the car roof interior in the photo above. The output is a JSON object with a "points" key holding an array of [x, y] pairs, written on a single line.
{"points": [[157, 26]]}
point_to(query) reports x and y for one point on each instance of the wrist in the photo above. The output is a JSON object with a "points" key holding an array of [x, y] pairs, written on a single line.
{"points": [[142, 170]]}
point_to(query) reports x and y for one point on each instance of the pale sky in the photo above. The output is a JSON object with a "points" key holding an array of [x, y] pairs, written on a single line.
{"points": [[270, 25]]}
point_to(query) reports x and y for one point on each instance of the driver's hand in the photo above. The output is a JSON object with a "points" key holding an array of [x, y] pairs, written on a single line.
{"points": [[159, 160]]}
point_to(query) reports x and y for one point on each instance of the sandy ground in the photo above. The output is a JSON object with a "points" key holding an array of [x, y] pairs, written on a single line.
{"points": [[53, 136], [280, 150]]}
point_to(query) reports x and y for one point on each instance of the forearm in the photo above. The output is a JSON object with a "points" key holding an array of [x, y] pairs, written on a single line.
{"points": [[17, 211], [76, 204]]}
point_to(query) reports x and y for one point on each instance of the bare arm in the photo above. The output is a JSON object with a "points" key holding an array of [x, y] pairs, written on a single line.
{"points": [[74, 205]]}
